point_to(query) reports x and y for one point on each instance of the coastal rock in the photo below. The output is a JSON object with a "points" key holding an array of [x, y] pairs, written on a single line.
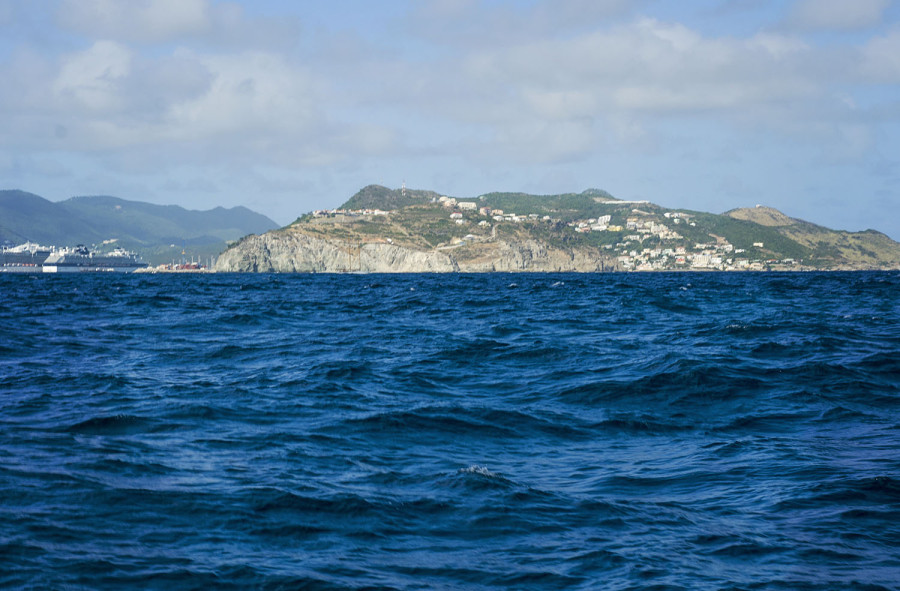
{"points": [[297, 252], [533, 256]]}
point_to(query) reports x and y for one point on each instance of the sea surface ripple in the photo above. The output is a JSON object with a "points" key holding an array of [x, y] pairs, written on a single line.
{"points": [[606, 431]]}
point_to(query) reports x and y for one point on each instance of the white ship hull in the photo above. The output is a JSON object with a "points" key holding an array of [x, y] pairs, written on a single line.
{"points": [[81, 260], [87, 269]]}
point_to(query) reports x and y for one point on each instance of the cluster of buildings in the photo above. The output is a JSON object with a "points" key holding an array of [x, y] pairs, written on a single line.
{"points": [[601, 224], [721, 256], [632, 255], [321, 213], [644, 227], [702, 256], [498, 215], [665, 254]]}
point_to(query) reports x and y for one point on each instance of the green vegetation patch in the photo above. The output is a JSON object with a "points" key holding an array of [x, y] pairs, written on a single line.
{"points": [[378, 197], [566, 207]]}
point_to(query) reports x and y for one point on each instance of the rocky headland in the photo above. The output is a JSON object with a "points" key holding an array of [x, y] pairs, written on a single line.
{"points": [[380, 230]]}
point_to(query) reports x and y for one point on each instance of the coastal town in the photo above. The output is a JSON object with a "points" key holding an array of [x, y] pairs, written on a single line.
{"points": [[640, 241]]}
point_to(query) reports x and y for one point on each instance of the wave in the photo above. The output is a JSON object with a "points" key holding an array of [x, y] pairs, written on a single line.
{"points": [[576, 431], [122, 424], [453, 420]]}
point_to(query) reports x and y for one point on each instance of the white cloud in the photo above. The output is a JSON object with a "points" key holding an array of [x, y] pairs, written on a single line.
{"points": [[176, 21], [461, 22], [648, 66], [136, 20], [93, 78], [838, 14], [255, 94], [536, 141], [206, 88], [534, 98], [202, 106], [628, 82], [881, 58], [244, 108]]}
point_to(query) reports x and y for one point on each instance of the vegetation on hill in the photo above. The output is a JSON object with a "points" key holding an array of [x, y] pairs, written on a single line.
{"points": [[566, 207], [642, 235], [28, 217], [820, 246], [378, 197], [638, 235], [158, 232]]}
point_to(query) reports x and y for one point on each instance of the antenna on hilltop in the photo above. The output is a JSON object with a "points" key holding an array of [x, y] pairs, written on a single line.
{"points": [[403, 188]]}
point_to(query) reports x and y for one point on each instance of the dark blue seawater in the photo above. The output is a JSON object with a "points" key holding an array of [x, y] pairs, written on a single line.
{"points": [[610, 431]]}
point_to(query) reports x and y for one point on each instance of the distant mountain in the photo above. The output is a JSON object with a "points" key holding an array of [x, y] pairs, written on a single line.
{"points": [[159, 232], [389, 230], [26, 216]]}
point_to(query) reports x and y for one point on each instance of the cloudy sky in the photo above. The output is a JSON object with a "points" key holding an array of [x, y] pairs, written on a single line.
{"points": [[288, 106]]}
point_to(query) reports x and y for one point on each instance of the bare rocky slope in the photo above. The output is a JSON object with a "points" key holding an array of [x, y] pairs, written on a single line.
{"points": [[292, 250]]}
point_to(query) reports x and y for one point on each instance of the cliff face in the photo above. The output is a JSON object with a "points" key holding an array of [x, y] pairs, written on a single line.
{"points": [[296, 252], [531, 256]]}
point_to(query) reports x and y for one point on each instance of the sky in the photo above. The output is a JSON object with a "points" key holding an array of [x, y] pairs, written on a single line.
{"points": [[290, 106]]}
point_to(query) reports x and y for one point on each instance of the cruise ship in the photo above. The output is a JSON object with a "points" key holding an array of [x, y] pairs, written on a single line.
{"points": [[81, 260], [24, 258]]}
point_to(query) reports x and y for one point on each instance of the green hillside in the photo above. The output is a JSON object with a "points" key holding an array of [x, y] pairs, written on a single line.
{"points": [[26, 216], [378, 197], [641, 235], [566, 207], [158, 232]]}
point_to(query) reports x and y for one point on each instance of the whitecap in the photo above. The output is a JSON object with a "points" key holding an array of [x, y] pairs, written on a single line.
{"points": [[481, 470]]}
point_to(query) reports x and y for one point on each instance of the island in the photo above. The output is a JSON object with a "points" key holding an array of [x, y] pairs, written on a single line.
{"points": [[382, 230]]}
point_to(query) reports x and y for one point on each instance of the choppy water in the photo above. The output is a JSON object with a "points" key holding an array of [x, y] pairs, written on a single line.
{"points": [[668, 431]]}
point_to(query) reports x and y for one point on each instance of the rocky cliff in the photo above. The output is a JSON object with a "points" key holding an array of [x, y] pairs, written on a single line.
{"points": [[290, 251], [296, 252]]}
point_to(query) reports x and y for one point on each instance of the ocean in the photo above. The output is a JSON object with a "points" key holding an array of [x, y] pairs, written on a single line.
{"points": [[613, 431]]}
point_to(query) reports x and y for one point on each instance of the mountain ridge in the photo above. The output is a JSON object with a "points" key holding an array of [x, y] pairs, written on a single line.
{"points": [[158, 232]]}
